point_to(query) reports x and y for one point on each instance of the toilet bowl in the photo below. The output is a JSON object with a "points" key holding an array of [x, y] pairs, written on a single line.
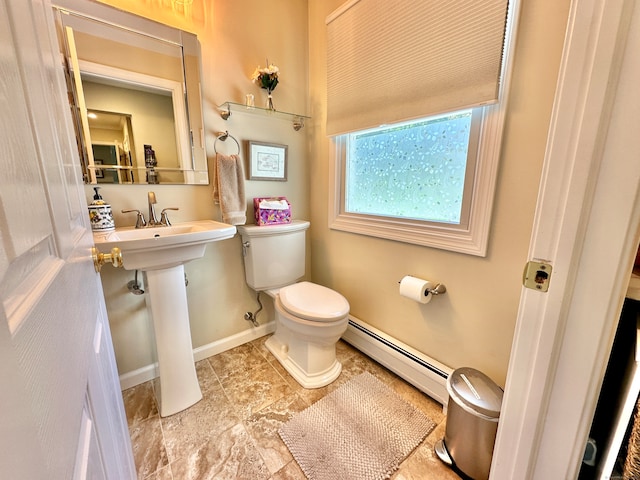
{"points": [[310, 319]]}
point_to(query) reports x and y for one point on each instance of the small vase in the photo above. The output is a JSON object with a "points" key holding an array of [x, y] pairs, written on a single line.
{"points": [[270, 102]]}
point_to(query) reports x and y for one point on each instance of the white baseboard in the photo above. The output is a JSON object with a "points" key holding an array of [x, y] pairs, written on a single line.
{"points": [[149, 372], [233, 341], [423, 372], [138, 376]]}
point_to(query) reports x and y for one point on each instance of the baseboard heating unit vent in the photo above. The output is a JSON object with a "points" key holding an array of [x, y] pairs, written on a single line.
{"points": [[423, 372]]}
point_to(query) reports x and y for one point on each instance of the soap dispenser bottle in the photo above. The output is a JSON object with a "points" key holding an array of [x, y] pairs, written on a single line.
{"points": [[100, 214]]}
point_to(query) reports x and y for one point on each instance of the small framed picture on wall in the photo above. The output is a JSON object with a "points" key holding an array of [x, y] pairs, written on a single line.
{"points": [[99, 171], [267, 161]]}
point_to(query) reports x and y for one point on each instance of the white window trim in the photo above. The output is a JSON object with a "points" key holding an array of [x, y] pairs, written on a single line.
{"points": [[472, 240]]}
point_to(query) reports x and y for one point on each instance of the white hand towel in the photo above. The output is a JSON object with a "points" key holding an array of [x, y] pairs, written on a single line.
{"points": [[228, 188]]}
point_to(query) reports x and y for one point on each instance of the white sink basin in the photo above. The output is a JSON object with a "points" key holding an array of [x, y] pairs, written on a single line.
{"points": [[153, 248]]}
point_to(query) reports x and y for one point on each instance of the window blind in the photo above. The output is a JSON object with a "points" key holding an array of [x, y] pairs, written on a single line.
{"points": [[394, 61]]}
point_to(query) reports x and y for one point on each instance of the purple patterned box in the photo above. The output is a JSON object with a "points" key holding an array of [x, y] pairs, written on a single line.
{"points": [[272, 210]]}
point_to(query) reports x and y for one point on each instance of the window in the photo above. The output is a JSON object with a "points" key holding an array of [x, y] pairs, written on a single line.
{"points": [[414, 171], [428, 182]]}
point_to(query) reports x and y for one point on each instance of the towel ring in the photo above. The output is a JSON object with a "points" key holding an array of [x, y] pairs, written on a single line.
{"points": [[222, 136]]}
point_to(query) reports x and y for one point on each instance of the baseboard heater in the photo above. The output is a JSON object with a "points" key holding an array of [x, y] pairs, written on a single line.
{"points": [[423, 372]]}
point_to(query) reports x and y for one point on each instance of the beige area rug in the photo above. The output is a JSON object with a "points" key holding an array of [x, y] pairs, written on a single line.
{"points": [[363, 430]]}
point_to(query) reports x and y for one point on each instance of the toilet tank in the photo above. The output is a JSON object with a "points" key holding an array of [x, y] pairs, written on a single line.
{"points": [[274, 255]]}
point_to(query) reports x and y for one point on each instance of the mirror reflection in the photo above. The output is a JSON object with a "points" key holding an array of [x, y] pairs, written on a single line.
{"points": [[135, 86], [112, 146]]}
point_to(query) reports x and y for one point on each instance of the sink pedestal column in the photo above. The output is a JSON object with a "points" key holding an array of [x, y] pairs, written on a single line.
{"points": [[179, 388]]}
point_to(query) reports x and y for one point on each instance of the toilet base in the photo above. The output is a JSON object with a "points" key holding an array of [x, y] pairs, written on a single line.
{"points": [[306, 379]]}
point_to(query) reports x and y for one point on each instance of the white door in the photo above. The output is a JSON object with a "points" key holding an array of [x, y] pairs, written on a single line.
{"points": [[587, 226], [61, 414]]}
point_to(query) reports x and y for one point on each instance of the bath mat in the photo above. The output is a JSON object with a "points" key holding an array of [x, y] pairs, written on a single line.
{"points": [[363, 430]]}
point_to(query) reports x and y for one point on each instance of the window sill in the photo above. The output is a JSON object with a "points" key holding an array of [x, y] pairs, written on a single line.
{"points": [[451, 238]]}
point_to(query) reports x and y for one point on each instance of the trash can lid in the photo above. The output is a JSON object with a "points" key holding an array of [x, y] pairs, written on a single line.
{"points": [[476, 391]]}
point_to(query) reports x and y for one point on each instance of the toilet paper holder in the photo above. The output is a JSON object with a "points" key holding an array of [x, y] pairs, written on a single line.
{"points": [[439, 289]]}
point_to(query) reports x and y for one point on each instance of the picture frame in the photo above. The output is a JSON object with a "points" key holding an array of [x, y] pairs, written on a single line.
{"points": [[99, 171], [267, 161]]}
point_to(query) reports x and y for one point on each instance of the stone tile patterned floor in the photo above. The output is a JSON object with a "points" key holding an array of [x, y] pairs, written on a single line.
{"points": [[232, 433]]}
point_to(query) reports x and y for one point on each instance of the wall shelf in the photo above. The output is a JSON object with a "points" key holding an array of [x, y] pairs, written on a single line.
{"points": [[227, 108]]}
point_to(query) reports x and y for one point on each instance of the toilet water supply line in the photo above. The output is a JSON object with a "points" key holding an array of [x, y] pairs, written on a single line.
{"points": [[253, 317]]}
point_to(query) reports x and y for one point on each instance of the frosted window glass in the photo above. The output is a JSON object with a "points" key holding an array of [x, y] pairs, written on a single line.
{"points": [[413, 171]]}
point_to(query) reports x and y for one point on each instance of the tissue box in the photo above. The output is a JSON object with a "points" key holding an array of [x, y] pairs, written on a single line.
{"points": [[271, 216]]}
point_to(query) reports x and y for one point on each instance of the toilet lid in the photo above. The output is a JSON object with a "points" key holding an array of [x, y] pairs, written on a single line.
{"points": [[313, 302]]}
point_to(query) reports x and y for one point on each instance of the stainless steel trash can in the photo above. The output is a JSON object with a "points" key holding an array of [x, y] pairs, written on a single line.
{"points": [[472, 421]]}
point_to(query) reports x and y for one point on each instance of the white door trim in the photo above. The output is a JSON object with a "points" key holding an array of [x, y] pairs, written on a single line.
{"points": [[562, 338]]}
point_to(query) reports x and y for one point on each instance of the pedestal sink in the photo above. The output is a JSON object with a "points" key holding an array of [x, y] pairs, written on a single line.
{"points": [[161, 252]]}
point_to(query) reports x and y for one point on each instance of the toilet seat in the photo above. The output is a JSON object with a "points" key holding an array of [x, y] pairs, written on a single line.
{"points": [[313, 302]]}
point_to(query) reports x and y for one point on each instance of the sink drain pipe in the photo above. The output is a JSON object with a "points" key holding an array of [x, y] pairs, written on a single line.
{"points": [[134, 287]]}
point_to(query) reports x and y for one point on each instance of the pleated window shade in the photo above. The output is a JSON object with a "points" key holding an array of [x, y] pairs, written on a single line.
{"points": [[390, 61]]}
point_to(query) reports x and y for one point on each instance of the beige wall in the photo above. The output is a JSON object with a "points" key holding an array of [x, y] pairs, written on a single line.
{"points": [[472, 325]]}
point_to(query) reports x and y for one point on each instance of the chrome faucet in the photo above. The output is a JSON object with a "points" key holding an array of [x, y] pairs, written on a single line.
{"points": [[152, 218], [140, 221]]}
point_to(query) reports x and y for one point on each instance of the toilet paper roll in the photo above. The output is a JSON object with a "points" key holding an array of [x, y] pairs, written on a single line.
{"points": [[416, 289]]}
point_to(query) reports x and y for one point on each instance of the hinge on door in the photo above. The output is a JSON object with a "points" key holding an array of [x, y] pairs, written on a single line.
{"points": [[537, 275]]}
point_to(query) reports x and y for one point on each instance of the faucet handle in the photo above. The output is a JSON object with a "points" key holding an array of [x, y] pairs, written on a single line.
{"points": [[164, 218], [140, 221]]}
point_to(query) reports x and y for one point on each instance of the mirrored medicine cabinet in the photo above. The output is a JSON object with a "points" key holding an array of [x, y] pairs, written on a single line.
{"points": [[135, 95]]}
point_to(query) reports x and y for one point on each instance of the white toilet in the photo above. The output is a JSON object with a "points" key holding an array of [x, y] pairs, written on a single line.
{"points": [[310, 319]]}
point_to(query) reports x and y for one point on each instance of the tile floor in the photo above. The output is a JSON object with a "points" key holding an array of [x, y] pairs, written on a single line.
{"points": [[232, 433]]}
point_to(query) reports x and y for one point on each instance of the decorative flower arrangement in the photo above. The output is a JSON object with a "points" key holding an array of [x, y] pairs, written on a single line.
{"points": [[267, 78]]}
